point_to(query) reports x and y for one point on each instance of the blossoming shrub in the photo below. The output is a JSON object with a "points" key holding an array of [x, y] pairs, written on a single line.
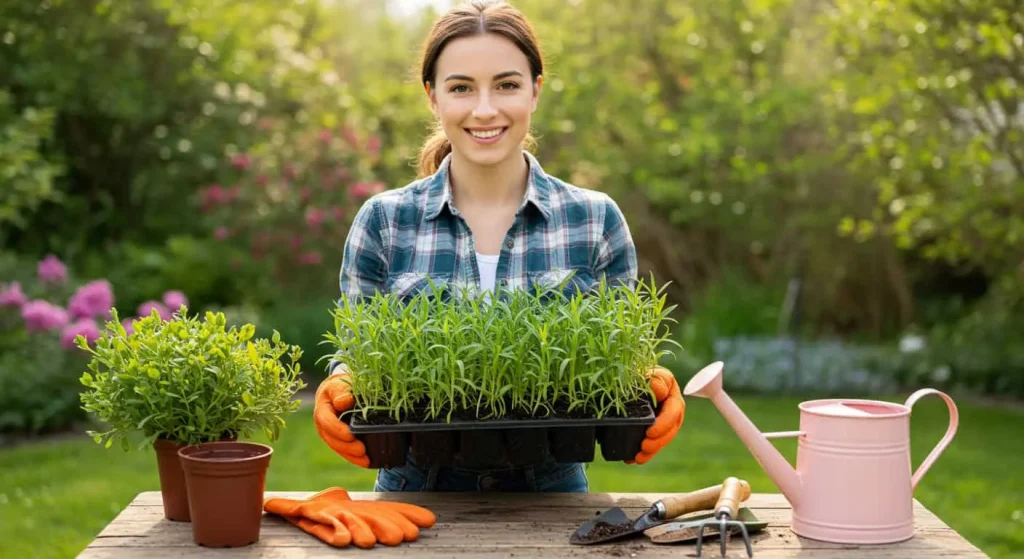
{"points": [[288, 201], [42, 310]]}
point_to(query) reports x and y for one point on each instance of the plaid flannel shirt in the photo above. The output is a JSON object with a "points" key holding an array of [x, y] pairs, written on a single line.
{"points": [[401, 237]]}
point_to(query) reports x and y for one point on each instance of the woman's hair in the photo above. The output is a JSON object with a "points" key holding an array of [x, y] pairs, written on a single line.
{"points": [[477, 17]]}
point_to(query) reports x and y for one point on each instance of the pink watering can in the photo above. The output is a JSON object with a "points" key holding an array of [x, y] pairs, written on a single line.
{"points": [[853, 480]]}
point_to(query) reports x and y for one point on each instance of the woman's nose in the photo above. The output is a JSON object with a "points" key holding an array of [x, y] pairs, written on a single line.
{"points": [[484, 108]]}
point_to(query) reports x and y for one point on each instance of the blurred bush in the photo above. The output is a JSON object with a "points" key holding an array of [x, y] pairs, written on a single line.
{"points": [[38, 385]]}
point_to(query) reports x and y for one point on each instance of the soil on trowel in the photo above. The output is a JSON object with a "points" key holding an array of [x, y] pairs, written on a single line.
{"points": [[604, 530]]}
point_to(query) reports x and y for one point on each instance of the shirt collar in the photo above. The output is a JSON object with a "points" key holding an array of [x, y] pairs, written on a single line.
{"points": [[439, 191]]}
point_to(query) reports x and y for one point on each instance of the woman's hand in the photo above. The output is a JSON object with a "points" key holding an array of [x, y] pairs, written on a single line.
{"points": [[334, 396], [669, 419]]}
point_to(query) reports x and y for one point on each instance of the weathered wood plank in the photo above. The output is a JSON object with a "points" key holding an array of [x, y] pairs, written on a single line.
{"points": [[516, 506], [494, 531], [574, 553], [489, 526], [470, 536], [533, 500], [148, 518]]}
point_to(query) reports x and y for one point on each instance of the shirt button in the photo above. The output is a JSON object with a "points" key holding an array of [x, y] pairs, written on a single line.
{"points": [[509, 243], [487, 482]]}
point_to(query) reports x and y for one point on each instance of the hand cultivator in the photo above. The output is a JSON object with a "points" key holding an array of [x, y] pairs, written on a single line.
{"points": [[726, 510]]}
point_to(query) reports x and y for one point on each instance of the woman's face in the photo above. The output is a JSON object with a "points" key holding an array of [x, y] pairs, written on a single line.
{"points": [[484, 96]]}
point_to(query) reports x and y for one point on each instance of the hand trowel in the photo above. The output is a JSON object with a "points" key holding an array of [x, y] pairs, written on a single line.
{"points": [[613, 523]]}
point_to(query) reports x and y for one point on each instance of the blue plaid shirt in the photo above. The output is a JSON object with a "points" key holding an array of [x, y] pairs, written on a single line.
{"points": [[401, 237]]}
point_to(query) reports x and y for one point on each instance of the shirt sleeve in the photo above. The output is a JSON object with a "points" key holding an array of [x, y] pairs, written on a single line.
{"points": [[616, 255], [363, 263]]}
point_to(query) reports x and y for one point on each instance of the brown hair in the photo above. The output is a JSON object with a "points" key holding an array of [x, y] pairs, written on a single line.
{"points": [[477, 17]]}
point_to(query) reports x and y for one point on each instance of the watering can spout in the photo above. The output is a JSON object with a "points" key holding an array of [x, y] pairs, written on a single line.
{"points": [[707, 383]]}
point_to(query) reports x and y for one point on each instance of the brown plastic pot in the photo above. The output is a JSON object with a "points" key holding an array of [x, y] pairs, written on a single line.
{"points": [[172, 480], [225, 483]]}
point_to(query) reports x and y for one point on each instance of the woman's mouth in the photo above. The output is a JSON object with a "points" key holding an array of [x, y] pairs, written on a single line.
{"points": [[487, 135]]}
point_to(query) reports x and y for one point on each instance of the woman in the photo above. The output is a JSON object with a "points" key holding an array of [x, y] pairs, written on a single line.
{"points": [[483, 213]]}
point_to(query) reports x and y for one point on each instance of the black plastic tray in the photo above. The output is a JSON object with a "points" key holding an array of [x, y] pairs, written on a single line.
{"points": [[501, 442]]}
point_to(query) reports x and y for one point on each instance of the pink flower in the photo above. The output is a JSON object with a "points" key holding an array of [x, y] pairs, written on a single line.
{"points": [[325, 136], [314, 217], [11, 296], [175, 299], [85, 326], [52, 270], [222, 233], [92, 299], [42, 316], [373, 145], [366, 189], [337, 213], [147, 308], [311, 258], [127, 323], [350, 136], [213, 196], [241, 161], [296, 242]]}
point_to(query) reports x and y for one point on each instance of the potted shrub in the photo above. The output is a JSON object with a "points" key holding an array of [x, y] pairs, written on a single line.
{"points": [[509, 377], [180, 383]]}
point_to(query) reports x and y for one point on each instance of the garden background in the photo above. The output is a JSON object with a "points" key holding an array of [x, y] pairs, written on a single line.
{"points": [[834, 189]]}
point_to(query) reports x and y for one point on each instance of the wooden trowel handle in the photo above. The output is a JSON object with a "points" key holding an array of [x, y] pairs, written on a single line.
{"points": [[734, 492], [702, 499]]}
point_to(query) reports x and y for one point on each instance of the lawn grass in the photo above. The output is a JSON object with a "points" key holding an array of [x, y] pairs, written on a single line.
{"points": [[56, 496]]}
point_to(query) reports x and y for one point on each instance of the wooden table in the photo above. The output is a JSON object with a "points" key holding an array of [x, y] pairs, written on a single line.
{"points": [[493, 525]]}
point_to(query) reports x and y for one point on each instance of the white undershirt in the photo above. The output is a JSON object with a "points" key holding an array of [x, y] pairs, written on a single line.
{"points": [[488, 265]]}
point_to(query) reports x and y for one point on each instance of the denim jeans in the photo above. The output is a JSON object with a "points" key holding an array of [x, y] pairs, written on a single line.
{"points": [[546, 477]]}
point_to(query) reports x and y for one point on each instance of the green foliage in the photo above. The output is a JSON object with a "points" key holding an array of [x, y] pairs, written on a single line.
{"points": [[26, 173], [188, 380], [733, 306], [517, 352], [38, 383], [926, 94]]}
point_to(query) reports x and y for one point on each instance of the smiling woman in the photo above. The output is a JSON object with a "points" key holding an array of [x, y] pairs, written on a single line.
{"points": [[483, 216]]}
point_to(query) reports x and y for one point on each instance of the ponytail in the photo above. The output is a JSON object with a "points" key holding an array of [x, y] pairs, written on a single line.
{"points": [[434, 150]]}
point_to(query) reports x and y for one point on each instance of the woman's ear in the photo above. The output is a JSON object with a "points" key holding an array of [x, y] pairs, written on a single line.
{"points": [[431, 98]]}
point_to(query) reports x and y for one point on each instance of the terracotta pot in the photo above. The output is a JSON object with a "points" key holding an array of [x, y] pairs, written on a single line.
{"points": [[225, 482], [172, 480]]}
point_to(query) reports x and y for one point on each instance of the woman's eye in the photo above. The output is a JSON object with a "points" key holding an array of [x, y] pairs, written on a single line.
{"points": [[509, 86], [459, 89]]}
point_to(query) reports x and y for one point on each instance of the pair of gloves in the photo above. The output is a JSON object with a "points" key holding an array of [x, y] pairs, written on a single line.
{"points": [[334, 396], [333, 517]]}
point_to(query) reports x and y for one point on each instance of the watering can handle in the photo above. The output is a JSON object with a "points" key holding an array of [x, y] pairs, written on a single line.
{"points": [[954, 419]]}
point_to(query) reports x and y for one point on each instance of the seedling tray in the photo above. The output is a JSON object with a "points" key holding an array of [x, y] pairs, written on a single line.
{"points": [[498, 442]]}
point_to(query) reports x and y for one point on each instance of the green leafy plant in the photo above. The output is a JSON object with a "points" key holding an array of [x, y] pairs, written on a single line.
{"points": [[188, 380], [482, 355]]}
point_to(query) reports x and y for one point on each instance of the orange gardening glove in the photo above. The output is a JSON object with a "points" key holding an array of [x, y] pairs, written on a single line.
{"points": [[334, 396], [669, 419], [332, 516]]}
